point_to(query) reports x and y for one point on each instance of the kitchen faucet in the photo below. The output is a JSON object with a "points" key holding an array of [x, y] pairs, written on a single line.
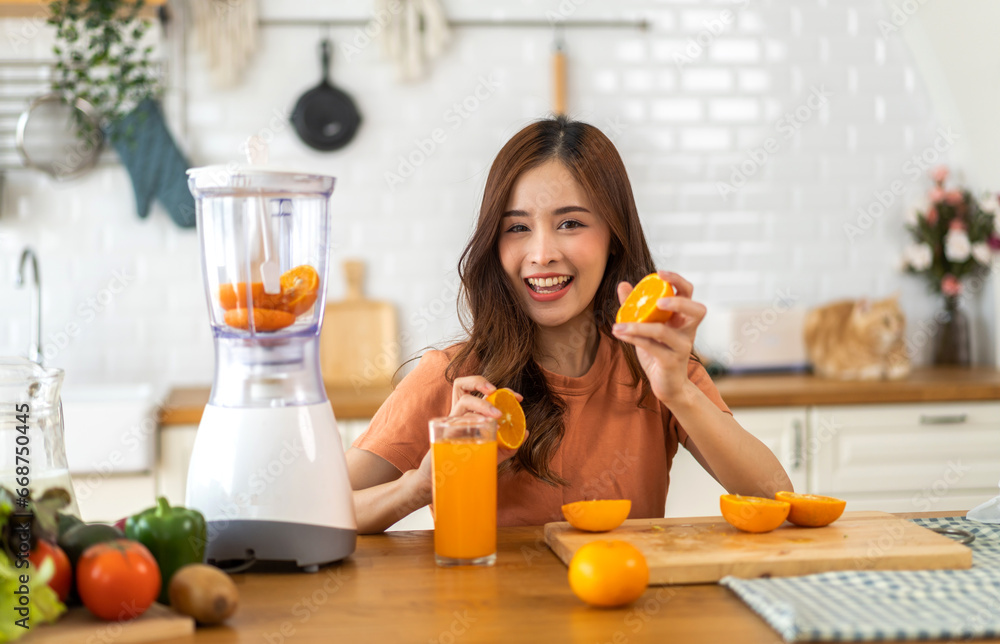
{"points": [[35, 350]]}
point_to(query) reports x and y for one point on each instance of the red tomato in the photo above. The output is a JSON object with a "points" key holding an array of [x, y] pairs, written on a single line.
{"points": [[62, 579], [117, 580]]}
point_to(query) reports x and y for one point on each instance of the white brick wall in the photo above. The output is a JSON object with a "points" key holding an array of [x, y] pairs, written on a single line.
{"points": [[681, 129]]}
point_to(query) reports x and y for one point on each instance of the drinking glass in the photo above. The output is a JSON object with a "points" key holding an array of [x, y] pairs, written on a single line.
{"points": [[464, 466]]}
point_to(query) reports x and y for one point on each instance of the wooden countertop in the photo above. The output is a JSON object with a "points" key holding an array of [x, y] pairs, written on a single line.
{"points": [[929, 384], [184, 405], [390, 590]]}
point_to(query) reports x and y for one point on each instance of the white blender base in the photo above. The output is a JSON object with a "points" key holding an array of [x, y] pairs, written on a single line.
{"points": [[272, 483]]}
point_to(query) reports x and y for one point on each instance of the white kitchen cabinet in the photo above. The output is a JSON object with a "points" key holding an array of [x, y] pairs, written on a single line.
{"points": [[176, 445], [913, 457], [108, 497], [693, 492]]}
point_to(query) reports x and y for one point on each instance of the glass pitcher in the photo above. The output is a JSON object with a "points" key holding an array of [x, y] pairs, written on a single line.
{"points": [[32, 449]]}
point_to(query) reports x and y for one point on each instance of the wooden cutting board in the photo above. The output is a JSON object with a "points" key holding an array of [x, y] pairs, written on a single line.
{"points": [[78, 626], [359, 343], [706, 549]]}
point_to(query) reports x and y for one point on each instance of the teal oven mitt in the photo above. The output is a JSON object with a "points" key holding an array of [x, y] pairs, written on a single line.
{"points": [[154, 162]]}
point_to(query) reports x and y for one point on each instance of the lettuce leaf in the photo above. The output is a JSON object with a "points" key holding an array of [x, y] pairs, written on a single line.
{"points": [[43, 603]]}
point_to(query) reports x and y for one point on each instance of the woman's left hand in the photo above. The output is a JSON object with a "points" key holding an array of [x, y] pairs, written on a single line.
{"points": [[664, 348]]}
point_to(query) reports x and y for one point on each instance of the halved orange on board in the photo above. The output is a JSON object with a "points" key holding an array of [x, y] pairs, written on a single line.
{"points": [[597, 516], [640, 305], [811, 510], [753, 513], [511, 424]]}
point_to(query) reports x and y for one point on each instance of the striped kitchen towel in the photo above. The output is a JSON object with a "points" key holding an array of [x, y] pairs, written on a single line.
{"points": [[852, 606]]}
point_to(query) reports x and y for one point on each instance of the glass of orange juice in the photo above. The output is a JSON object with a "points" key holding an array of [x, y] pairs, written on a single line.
{"points": [[464, 465]]}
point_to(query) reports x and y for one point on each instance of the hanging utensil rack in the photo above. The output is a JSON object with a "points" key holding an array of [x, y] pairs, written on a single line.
{"points": [[21, 81], [640, 23]]}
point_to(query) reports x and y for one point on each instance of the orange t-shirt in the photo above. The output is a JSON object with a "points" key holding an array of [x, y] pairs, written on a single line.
{"points": [[611, 449]]}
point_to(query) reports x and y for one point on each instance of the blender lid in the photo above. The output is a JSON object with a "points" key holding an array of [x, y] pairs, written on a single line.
{"points": [[256, 178]]}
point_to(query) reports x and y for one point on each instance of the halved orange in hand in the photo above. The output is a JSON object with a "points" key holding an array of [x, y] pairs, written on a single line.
{"points": [[299, 288], [597, 516], [811, 510], [753, 513], [640, 305], [234, 296], [511, 424], [263, 319]]}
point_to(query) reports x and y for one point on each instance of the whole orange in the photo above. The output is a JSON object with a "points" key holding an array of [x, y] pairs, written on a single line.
{"points": [[608, 573]]}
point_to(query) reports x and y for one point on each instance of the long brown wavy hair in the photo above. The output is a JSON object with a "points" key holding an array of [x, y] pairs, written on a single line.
{"points": [[501, 336]]}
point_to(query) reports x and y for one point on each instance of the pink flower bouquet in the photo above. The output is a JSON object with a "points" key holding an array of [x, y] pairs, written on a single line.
{"points": [[954, 235]]}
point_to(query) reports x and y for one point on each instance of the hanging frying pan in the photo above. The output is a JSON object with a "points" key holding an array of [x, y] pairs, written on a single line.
{"points": [[326, 118]]}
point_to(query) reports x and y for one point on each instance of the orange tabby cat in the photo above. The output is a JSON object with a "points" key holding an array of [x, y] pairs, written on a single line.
{"points": [[857, 340]]}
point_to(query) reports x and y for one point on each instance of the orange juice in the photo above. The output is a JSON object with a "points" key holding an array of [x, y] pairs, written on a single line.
{"points": [[465, 497]]}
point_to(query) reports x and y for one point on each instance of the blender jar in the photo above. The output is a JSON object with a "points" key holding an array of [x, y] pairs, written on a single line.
{"points": [[249, 220]]}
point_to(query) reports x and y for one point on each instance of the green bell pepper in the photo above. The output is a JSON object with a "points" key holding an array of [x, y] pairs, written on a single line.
{"points": [[175, 536]]}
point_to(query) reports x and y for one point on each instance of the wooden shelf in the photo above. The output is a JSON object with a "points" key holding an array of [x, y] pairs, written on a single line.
{"points": [[40, 8], [928, 384], [185, 405]]}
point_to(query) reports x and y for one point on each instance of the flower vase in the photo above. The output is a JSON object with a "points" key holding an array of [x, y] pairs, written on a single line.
{"points": [[952, 342]]}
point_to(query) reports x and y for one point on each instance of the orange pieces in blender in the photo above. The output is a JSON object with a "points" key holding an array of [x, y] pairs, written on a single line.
{"points": [[263, 319], [272, 311], [299, 288], [234, 296]]}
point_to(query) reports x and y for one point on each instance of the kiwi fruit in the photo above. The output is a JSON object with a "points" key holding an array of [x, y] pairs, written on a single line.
{"points": [[203, 592]]}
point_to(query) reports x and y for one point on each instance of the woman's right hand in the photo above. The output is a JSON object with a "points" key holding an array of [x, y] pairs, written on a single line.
{"points": [[463, 402]]}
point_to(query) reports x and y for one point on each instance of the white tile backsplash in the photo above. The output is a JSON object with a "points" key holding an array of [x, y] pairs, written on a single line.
{"points": [[683, 126]]}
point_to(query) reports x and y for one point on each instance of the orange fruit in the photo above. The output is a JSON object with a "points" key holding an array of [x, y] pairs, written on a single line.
{"points": [[511, 424], [640, 305], [234, 296], [597, 516], [812, 510], [753, 513], [299, 288], [263, 319], [608, 573]]}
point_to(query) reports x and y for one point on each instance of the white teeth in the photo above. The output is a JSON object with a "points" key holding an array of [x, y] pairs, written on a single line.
{"points": [[538, 283], [547, 281]]}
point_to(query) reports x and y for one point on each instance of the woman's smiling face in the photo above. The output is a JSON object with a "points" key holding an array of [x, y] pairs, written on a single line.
{"points": [[553, 246]]}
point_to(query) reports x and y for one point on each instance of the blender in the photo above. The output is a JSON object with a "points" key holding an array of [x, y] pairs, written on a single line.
{"points": [[268, 468]]}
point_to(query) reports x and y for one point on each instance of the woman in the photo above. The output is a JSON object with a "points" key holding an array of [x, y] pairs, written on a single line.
{"points": [[556, 248]]}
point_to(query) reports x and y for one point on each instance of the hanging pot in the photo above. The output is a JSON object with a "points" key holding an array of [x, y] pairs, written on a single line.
{"points": [[325, 117]]}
